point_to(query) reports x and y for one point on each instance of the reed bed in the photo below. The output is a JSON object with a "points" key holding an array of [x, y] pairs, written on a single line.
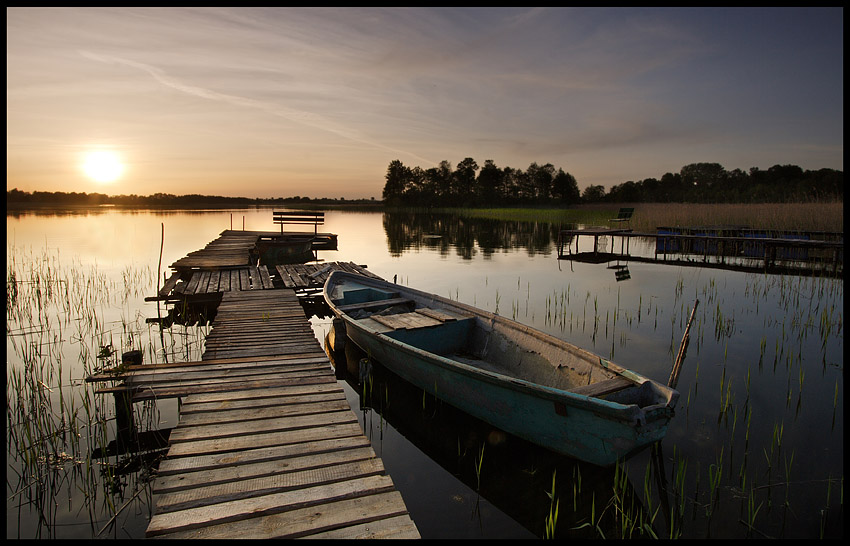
{"points": [[64, 322], [813, 216], [761, 382], [826, 216]]}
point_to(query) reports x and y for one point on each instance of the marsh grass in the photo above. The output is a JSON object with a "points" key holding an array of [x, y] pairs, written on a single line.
{"points": [[748, 414], [810, 216], [64, 322]]}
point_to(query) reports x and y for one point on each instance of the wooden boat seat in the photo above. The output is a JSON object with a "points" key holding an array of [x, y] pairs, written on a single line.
{"points": [[423, 317], [372, 304], [607, 386], [406, 321], [436, 314]]}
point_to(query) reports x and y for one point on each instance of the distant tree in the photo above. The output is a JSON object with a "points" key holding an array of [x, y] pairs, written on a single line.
{"points": [[627, 192], [464, 181], [539, 182], [489, 184], [702, 180], [397, 176], [565, 188], [511, 185], [593, 194], [443, 177]]}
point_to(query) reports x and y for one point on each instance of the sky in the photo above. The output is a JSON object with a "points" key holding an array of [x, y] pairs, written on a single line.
{"points": [[316, 102]]}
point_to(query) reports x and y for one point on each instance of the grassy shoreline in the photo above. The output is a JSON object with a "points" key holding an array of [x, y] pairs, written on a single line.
{"points": [[826, 216], [809, 216]]}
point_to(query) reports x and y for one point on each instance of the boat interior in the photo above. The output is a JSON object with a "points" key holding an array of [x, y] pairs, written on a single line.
{"points": [[464, 338]]}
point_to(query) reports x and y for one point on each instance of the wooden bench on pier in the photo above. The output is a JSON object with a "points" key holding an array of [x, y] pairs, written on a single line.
{"points": [[299, 217], [624, 215]]}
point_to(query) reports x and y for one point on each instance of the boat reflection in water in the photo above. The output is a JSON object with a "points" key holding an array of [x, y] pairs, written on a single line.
{"points": [[510, 473]]}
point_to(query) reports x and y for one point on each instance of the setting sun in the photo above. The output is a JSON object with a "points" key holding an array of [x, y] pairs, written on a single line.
{"points": [[103, 166]]}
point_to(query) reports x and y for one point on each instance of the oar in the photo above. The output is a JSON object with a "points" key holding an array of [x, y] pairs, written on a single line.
{"points": [[677, 365]]}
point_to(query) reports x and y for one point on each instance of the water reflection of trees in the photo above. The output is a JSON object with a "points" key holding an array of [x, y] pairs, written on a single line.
{"points": [[467, 236]]}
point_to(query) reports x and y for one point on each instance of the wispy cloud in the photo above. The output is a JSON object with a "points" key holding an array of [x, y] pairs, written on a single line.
{"points": [[303, 117]]}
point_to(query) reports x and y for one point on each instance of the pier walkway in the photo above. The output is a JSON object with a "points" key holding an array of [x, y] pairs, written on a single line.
{"points": [[271, 449], [266, 445]]}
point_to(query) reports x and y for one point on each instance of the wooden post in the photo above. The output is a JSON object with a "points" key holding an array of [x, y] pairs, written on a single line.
{"points": [[677, 365], [125, 428]]}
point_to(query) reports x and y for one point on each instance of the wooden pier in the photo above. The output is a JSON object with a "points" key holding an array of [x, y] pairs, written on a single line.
{"points": [[266, 445], [737, 248]]}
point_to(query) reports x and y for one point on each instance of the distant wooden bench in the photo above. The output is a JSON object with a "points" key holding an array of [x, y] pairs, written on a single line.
{"points": [[625, 215], [299, 217]]}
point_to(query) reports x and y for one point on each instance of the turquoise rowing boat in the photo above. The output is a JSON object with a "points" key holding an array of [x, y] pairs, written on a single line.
{"points": [[521, 380]]}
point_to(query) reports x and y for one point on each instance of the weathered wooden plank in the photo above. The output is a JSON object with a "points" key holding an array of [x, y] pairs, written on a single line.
{"points": [[434, 313], [258, 351], [264, 276], [284, 276], [178, 465], [203, 281], [264, 426], [210, 399], [602, 388], [377, 303], [259, 403], [199, 383], [215, 281], [217, 368], [187, 374], [308, 356], [239, 415], [324, 431], [407, 321], [308, 520], [249, 341], [169, 285], [200, 497], [152, 393], [224, 281], [230, 473], [208, 366], [398, 527], [281, 514]]}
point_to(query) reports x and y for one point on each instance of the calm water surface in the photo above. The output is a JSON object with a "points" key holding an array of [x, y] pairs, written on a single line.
{"points": [[756, 447]]}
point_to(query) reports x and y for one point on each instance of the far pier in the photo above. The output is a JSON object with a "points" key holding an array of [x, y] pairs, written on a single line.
{"points": [[726, 247]]}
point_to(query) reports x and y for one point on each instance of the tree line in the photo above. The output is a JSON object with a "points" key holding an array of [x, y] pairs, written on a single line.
{"points": [[165, 200], [537, 185], [444, 186]]}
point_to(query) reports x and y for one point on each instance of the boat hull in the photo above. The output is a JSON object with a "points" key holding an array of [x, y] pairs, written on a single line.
{"points": [[588, 428]]}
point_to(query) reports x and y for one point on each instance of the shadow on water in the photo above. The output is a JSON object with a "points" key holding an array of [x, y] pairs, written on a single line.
{"points": [[510, 473]]}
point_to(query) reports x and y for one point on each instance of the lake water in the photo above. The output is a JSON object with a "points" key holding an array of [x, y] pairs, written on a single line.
{"points": [[755, 448]]}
